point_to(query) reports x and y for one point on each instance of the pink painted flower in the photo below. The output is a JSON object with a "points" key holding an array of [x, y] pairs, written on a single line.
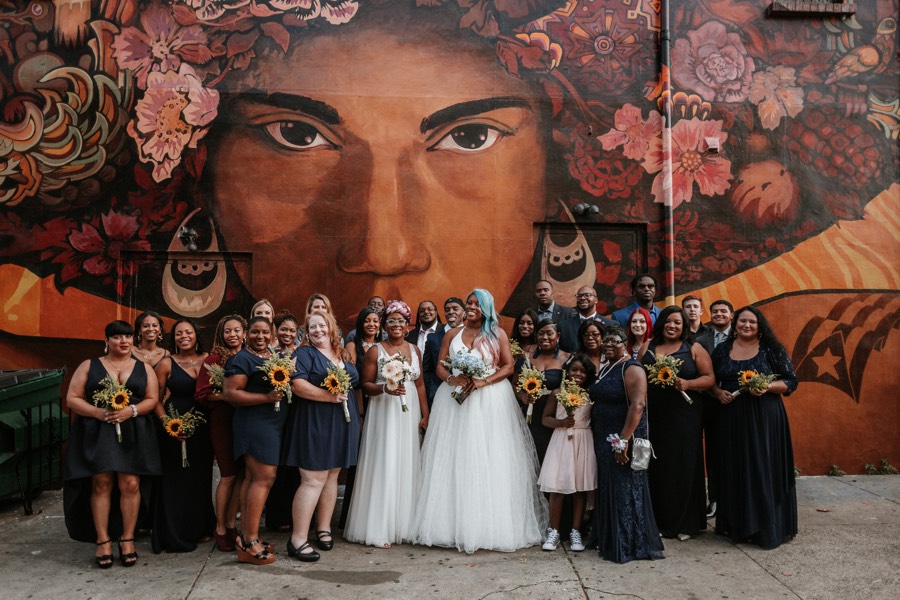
{"points": [[691, 161], [172, 115], [713, 63], [100, 250], [776, 94], [632, 132], [159, 44]]}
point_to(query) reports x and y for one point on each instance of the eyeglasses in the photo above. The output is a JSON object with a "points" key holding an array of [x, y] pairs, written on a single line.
{"points": [[612, 342], [585, 295], [592, 334], [392, 322]]}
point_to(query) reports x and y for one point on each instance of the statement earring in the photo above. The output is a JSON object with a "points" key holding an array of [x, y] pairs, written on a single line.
{"points": [[105, 348], [194, 287], [567, 266]]}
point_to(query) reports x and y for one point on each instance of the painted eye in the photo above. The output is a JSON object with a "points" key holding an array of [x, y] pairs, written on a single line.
{"points": [[469, 138], [296, 135]]}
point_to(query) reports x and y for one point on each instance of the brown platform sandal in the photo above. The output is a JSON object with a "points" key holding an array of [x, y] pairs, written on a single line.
{"points": [[263, 557]]}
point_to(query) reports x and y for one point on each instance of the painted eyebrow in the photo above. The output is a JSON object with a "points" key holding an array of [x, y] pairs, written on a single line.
{"points": [[467, 109], [314, 108]]}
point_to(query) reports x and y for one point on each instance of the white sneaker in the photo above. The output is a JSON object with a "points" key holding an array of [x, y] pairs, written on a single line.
{"points": [[575, 543], [552, 539]]}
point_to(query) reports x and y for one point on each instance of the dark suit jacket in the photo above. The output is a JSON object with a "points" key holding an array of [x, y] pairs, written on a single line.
{"points": [[429, 363], [568, 331], [560, 312], [707, 339]]}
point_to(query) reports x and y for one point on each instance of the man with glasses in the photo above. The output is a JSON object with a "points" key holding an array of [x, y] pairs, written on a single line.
{"points": [[586, 309], [643, 290]]}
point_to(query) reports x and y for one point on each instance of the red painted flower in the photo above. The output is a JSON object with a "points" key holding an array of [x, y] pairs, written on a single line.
{"points": [[98, 250], [632, 131], [600, 172]]}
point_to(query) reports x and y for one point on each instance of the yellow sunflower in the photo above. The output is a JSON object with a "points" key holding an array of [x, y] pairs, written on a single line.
{"points": [[574, 400], [665, 375], [174, 427], [119, 400], [532, 385], [332, 384], [279, 376], [747, 376]]}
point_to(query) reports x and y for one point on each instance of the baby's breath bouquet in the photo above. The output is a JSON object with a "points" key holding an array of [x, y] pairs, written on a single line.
{"points": [[753, 381], [531, 381], [278, 369], [182, 426], [337, 381], [571, 397], [468, 364], [112, 395], [664, 371]]}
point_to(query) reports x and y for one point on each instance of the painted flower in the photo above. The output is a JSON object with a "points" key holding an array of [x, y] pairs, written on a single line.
{"points": [[102, 248], [534, 52], [691, 161], [776, 94], [173, 115], [210, 10], [159, 44], [713, 63], [601, 173], [632, 132], [20, 177]]}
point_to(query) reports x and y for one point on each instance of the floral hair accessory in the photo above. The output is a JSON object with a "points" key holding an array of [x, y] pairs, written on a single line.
{"points": [[398, 306]]}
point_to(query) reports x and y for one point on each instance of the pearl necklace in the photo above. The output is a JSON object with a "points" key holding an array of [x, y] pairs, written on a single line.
{"points": [[264, 355], [606, 370]]}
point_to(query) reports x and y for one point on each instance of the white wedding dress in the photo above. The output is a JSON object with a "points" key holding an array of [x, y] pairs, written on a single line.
{"points": [[384, 495], [479, 473]]}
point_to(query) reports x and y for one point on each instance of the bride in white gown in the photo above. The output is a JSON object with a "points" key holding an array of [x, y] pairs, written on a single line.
{"points": [[479, 467]]}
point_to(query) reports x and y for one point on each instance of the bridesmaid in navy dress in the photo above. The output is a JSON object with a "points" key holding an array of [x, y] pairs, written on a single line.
{"points": [[548, 359], [677, 478], [624, 525], [320, 441], [103, 476], [183, 511], [258, 429], [758, 492]]}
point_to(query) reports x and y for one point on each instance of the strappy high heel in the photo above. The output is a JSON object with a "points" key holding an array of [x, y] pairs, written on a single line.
{"points": [[130, 559], [263, 557], [105, 561]]}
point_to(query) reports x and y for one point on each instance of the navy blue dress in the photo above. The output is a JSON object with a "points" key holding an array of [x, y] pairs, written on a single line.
{"points": [[540, 432], [676, 475], [94, 449], [319, 438], [624, 525], [755, 459], [258, 429], [183, 510]]}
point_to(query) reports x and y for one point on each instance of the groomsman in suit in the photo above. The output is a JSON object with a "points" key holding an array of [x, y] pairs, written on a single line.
{"points": [[586, 307], [427, 322], [721, 315], [547, 308], [643, 290], [454, 309]]}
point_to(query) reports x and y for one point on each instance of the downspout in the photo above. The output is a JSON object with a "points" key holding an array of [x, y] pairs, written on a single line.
{"points": [[665, 100]]}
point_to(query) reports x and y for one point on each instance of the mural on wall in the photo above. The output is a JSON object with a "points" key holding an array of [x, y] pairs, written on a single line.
{"points": [[200, 153]]}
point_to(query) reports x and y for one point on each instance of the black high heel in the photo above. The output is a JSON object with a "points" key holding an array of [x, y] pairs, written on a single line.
{"points": [[130, 559], [299, 555], [105, 561]]}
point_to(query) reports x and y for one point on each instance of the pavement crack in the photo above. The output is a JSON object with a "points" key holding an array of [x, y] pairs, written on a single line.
{"points": [[614, 594], [528, 585], [200, 572], [843, 479], [769, 573]]}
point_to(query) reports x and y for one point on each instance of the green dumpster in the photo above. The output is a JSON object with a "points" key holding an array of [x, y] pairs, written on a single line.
{"points": [[32, 431]]}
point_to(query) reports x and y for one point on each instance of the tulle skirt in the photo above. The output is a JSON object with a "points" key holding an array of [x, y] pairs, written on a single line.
{"points": [[478, 486]]}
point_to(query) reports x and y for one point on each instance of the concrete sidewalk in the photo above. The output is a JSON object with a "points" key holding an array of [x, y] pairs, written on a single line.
{"points": [[848, 547]]}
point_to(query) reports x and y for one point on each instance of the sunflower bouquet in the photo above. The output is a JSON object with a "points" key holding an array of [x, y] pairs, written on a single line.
{"points": [[664, 371], [531, 381], [112, 395], [181, 427], [337, 381], [395, 370], [516, 348], [278, 369], [571, 397], [467, 364], [216, 376], [752, 381]]}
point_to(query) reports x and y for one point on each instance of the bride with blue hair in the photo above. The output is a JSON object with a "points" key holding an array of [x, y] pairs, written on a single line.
{"points": [[478, 484]]}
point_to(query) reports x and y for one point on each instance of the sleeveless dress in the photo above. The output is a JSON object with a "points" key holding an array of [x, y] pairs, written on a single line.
{"points": [[624, 525], [478, 487], [93, 449], [755, 458], [570, 464], [676, 475], [318, 436], [183, 509], [259, 428], [384, 499], [540, 433]]}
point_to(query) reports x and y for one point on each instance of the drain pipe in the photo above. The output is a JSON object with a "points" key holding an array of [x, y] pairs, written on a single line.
{"points": [[665, 105]]}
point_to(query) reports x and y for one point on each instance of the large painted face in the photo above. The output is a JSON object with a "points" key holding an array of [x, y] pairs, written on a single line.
{"points": [[400, 159]]}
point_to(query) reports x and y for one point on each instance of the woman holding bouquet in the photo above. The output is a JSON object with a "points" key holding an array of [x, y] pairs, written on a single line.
{"points": [[384, 499], [104, 469], [323, 432], [548, 359], [228, 341], [258, 429], [677, 478], [479, 467], [757, 490], [183, 510]]}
